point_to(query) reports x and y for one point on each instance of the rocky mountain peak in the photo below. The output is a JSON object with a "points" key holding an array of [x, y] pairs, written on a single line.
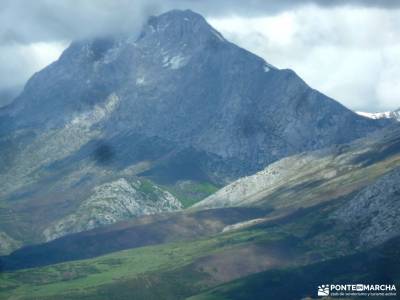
{"points": [[215, 96], [178, 17], [179, 27], [176, 31]]}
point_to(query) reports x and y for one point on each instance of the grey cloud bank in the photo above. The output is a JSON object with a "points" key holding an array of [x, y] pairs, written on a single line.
{"points": [[346, 49], [350, 54], [25, 21]]}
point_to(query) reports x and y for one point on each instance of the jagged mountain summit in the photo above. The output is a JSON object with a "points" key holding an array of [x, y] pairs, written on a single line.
{"points": [[178, 104]]}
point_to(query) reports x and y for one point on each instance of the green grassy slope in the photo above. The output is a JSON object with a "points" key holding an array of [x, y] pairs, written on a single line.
{"points": [[77, 278], [145, 231], [377, 266], [179, 270], [190, 192]]}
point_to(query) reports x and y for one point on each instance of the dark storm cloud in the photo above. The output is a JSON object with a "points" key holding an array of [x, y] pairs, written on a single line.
{"points": [[45, 20], [31, 30], [25, 21]]}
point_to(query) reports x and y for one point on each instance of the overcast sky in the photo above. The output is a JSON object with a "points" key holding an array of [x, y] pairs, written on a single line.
{"points": [[348, 49]]}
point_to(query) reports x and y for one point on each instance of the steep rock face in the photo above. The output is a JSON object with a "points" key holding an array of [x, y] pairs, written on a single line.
{"points": [[115, 201], [182, 81], [374, 211]]}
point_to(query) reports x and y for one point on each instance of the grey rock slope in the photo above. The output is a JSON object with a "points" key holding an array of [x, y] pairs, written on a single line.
{"points": [[374, 211], [176, 103], [180, 80]]}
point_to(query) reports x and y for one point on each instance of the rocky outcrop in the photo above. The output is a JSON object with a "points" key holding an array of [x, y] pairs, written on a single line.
{"points": [[7, 244], [374, 212], [112, 202]]}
